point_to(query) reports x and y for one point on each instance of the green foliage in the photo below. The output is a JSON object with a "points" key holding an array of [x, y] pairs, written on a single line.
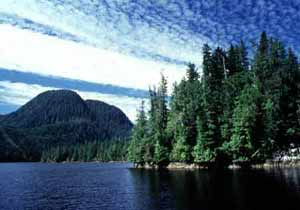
{"points": [[113, 150], [240, 145], [161, 147], [203, 151], [181, 149], [185, 105], [61, 119], [136, 149], [238, 109], [161, 153], [270, 126]]}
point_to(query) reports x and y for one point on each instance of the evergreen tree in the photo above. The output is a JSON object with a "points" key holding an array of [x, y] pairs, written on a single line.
{"points": [[113, 150], [207, 64], [237, 60], [192, 74], [209, 130], [185, 106], [218, 70], [193, 91], [233, 61], [162, 146], [261, 65], [149, 142], [181, 151], [203, 151], [243, 56], [231, 111], [136, 147], [213, 98], [241, 146], [289, 96], [273, 92]]}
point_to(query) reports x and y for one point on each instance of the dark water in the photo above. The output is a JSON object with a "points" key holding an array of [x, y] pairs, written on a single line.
{"points": [[115, 186]]}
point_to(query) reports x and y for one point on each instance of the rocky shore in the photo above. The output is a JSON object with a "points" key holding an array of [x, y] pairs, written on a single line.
{"points": [[282, 159]]}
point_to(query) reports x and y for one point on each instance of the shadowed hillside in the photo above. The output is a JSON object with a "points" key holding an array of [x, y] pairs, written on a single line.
{"points": [[58, 118]]}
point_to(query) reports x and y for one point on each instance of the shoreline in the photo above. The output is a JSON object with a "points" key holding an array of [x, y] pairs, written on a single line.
{"points": [[190, 166], [289, 158], [233, 166]]}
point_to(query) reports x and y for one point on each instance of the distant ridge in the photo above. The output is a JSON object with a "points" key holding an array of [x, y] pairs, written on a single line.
{"points": [[58, 117]]}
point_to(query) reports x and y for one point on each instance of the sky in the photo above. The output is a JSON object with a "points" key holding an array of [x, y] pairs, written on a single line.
{"points": [[113, 50]]}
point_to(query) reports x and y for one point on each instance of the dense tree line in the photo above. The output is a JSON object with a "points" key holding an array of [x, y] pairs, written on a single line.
{"points": [[113, 150], [238, 108]]}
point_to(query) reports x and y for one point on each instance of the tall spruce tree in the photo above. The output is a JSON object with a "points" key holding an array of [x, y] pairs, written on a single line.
{"points": [[237, 60], [241, 146], [191, 104], [260, 66], [151, 126], [136, 148], [289, 126], [233, 61], [243, 56], [261, 62], [214, 97], [181, 151], [186, 105], [209, 123], [243, 112], [238, 76], [162, 145]]}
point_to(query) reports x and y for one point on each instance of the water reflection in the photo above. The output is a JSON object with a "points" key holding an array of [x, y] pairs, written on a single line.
{"points": [[117, 187], [252, 189]]}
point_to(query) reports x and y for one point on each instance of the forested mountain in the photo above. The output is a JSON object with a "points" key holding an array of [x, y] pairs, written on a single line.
{"points": [[239, 109], [50, 107], [58, 118]]}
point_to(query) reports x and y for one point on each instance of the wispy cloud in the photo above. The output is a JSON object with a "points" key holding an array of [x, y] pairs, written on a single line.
{"points": [[127, 43], [171, 31], [28, 51], [121, 26]]}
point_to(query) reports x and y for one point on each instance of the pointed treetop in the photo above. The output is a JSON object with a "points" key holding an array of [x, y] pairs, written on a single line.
{"points": [[292, 61], [192, 73], [263, 44]]}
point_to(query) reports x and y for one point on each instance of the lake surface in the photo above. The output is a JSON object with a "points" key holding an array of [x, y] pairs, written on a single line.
{"points": [[41, 186]]}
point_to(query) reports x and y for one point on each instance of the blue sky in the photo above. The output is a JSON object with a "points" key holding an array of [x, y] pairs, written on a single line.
{"points": [[113, 50]]}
